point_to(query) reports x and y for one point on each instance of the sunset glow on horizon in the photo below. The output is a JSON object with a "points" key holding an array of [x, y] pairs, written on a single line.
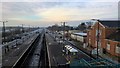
{"points": [[47, 13]]}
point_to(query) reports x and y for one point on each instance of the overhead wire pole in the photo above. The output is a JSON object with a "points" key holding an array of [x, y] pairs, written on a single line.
{"points": [[63, 23], [63, 30], [3, 30]]}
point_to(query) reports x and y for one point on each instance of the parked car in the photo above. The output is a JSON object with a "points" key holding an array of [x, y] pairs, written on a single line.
{"points": [[19, 41], [14, 46]]}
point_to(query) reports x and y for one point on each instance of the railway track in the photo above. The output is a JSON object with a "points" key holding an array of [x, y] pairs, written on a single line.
{"points": [[32, 55]]}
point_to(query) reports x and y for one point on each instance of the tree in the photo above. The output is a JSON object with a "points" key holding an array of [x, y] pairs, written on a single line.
{"points": [[59, 28], [89, 24], [82, 26]]}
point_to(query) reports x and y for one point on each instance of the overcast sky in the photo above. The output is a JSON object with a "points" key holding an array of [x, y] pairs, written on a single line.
{"points": [[46, 12]]}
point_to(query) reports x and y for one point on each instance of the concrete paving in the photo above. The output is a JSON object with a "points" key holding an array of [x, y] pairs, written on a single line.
{"points": [[54, 52], [12, 56]]}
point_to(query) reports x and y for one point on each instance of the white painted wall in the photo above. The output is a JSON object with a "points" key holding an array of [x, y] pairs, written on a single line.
{"points": [[117, 49], [80, 38], [73, 36]]}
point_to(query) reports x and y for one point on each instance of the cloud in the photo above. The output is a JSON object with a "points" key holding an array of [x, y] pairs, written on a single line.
{"points": [[0, 11], [67, 12], [52, 12], [59, 0]]}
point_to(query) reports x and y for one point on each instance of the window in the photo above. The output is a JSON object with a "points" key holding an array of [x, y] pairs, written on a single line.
{"points": [[118, 45], [108, 45], [118, 48]]}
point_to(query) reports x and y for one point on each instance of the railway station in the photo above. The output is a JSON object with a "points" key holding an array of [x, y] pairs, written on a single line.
{"points": [[59, 34]]}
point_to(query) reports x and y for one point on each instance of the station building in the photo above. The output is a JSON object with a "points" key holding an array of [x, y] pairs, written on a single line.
{"points": [[105, 34], [79, 37]]}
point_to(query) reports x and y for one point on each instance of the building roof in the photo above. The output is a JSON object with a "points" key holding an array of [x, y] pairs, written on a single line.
{"points": [[110, 23], [81, 34], [115, 36]]}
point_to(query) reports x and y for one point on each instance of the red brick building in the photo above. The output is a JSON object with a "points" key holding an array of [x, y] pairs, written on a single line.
{"points": [[106, 35]]}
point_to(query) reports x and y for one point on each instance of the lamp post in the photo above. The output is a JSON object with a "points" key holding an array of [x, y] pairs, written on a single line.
{"points": [[97, 35], [97, 39]]}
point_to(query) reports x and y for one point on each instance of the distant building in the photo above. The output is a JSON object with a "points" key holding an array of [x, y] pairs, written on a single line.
{"points": [[106, 35], [81, 37]]}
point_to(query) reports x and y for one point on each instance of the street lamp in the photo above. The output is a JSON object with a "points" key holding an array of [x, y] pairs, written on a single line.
{"points": [[97, 39], [97, 35]]}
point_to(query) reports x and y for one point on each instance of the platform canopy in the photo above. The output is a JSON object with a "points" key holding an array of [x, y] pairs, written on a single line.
{"points": [[70, 48], [81, 34]]}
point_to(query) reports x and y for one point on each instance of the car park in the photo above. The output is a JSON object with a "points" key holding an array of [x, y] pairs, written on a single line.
{"points": [[19, 41], [14, 46]]}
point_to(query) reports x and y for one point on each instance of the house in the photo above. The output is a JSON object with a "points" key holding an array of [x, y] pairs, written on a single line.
{"points": [[100, 35]]}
